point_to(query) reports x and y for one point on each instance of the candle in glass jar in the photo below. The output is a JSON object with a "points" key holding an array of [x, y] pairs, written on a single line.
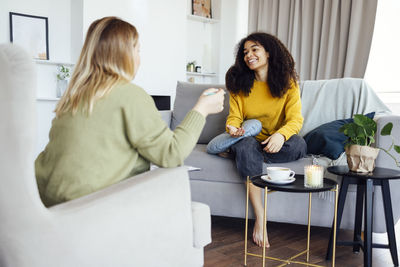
{"points": [[313, 176]]}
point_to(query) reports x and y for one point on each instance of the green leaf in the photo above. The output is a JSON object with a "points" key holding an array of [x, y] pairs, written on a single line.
{"points": [[362, 141], [387, 129], [397, 148], [368, 124], [360, 131], [350, 130]]}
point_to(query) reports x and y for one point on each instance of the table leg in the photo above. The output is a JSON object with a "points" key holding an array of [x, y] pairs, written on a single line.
{"points": [[342, 197], [368, 223], [334, 226], [247, 220], [387, 203], [265, 222], [309, 228], [358, 217]]}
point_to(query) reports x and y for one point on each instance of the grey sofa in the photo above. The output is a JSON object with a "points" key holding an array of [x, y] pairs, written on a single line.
{"points": [[219, 185]]}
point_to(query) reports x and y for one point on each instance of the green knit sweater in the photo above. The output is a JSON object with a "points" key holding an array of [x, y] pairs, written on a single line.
{"points": [[119, 139]]}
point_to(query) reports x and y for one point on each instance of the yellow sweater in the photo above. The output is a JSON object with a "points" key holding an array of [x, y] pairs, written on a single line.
{"points": [[282, 115]]}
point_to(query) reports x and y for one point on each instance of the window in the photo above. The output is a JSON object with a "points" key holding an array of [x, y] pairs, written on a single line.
{"points": [[383, 69]]}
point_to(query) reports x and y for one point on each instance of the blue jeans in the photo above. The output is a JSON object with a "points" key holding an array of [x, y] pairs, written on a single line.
{"points": [[249, 154], [222, 142]]}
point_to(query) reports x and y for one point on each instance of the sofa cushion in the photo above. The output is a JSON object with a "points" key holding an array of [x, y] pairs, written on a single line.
{"points": [[327, 140], [213, 167], [186, 97]]}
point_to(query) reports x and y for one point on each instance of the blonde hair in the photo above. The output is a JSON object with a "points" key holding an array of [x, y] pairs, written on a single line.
{"points": [[107, 58]]}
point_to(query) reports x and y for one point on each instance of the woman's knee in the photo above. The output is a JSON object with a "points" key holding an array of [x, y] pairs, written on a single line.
{"points": [[296, 146], [252, 127], [219, 143], [293, 149]]}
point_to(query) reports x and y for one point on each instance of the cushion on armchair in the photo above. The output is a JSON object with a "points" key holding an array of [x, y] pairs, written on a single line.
{"points": [[327, 140], [186, 97]]}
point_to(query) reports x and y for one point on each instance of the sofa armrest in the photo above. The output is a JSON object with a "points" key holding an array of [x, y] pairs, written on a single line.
{"points": [[150, 212], [166, 115], [201, 224], [384, 160]]}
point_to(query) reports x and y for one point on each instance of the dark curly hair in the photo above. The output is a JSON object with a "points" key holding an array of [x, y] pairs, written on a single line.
{"points": [[281, 70]]}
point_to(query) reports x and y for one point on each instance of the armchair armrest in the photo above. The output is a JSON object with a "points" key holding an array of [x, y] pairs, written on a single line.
{"points": [[147, 214], [201, 224], [384, 160]]}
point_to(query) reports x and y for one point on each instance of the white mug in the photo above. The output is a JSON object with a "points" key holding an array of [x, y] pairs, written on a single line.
{"points": [[279, 173]]}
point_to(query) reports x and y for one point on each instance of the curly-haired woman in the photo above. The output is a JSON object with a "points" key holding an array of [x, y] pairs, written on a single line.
{"points": [[265, 113]]}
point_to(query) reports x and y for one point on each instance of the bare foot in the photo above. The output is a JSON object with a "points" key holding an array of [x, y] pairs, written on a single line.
{"points": [[258, 234]]}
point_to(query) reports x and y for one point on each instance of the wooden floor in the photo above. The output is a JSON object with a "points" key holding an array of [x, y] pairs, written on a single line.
{"points": [[286, 240]]}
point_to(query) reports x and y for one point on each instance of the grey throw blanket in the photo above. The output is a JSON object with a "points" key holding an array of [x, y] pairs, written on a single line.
{"points": [[328, 100]]}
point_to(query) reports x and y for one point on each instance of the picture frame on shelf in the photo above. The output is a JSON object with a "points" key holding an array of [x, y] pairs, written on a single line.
{"points": [[202, 8], [31, 33]]}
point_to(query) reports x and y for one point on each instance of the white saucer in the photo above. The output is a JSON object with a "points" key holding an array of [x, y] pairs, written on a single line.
{"points": [[286, 181]]}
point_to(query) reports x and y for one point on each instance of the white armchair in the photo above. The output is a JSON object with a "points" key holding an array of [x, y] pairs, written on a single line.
{"points": [[147, 220]]}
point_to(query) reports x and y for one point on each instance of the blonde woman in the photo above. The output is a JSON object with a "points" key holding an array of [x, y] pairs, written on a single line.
{"points": [[106, 128]]}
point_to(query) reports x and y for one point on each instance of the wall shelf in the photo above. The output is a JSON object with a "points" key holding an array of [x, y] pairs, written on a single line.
{"points": [[202, 19], [203, 44], [201, 74], [47, 98], [47, 62]]}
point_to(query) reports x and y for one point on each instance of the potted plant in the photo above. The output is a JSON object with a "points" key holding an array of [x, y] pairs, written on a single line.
{"points": [[190, 67], [63, 73], [360, 136]]}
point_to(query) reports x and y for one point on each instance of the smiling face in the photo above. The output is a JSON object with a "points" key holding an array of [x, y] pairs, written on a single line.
{"points": [[255, 56]]}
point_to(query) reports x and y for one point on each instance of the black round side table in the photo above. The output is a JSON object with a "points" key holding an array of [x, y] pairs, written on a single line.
{"points": [[296, 187], [365, 183]]}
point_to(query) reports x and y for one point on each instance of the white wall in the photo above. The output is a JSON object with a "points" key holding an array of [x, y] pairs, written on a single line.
{"points": [[58, 18], [161, 26], [200, 44], [234, 22], [76, 29]]}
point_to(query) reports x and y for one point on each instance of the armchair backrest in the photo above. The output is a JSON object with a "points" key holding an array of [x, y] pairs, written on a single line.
{"points": [[19, 197]]}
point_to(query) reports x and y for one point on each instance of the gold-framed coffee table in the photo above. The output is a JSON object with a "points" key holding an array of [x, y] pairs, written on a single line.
{"points": [[296, 187]]}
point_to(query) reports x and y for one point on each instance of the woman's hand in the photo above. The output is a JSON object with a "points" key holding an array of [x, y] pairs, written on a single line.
{"points": [[274, 143], [235, 132], [211, 101]]}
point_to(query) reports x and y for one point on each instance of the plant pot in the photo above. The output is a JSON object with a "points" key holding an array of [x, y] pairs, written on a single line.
{"points": [[61, 87], [190, 68], [361, 158]]}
